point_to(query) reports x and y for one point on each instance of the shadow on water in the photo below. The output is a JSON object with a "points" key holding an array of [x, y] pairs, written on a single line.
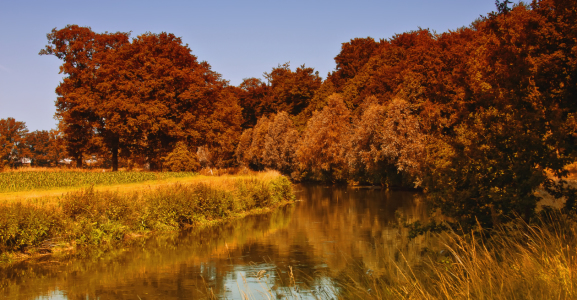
{"points": [[300, 245]]}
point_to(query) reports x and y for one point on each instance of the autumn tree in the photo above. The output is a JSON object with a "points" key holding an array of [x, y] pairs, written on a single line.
{"points": [[140, 97], [387, 144], [253, 98], [56, 147], [45, 148], [241, 153], [515, 120], [280, 144], [254, 155], [321, 152], [12, 141], [80, 49], [148, 87], [38, 144], [352, 58]]}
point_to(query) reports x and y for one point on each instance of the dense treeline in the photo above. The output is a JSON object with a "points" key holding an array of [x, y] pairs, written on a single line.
{"points": [[479, 117]]}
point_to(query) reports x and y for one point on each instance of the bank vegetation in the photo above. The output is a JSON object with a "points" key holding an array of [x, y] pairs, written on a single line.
{"points": [[103, 219]]}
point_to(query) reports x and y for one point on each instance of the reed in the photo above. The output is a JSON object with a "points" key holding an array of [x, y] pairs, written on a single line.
{"points": [[516, 261]]}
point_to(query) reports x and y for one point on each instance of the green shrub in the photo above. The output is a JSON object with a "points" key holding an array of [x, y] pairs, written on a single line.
{"points": [[181, 159]]}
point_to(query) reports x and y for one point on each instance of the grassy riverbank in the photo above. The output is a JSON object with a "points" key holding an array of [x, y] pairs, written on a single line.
{"points": [[92, 218]]}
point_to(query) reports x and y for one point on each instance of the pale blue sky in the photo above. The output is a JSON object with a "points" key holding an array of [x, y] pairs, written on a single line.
{"points": [[238, 38]]}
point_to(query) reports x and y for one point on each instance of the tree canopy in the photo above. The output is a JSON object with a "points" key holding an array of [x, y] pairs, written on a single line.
{"points": [[139, 96]]}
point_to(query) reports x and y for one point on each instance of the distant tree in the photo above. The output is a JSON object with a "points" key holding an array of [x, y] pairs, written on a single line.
{"points": [[38, 144], [502, 7], [224, 129], [242, 150], [321, 150], [253, 98], [318, 102], [57, 147], [12, 141], [45, 148]]}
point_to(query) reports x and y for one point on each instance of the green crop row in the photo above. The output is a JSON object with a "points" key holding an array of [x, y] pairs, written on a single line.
{"points": [[26, 181]]}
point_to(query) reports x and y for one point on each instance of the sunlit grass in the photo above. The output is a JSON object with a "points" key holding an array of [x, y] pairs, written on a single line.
{"points": [[95, 218]]}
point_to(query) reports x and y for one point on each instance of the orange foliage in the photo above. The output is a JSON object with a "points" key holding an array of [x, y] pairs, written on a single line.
{"points": [[140, 97], [387, 136], [321, 151]]}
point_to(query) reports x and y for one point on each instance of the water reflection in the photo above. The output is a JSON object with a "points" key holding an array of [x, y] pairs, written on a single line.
{"points": [[296, 246]]}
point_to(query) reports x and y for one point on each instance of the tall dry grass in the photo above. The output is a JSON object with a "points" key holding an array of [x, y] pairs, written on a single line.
{"points": [[516, 261]]}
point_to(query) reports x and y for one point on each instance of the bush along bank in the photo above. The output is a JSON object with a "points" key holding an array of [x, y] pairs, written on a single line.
{"points": [[90, 218]]}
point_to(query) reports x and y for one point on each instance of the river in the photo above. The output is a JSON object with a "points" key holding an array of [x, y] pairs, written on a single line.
{"points": [[298, 249]]}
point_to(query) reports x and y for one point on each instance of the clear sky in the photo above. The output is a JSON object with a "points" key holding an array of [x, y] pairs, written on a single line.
{"points": [[239, 39]]}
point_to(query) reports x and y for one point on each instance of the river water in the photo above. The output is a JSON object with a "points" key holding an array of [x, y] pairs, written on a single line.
{"points": [[296, 250]]}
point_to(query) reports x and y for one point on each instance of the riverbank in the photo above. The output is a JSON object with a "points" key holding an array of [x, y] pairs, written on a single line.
{"points": [[106, 218]]}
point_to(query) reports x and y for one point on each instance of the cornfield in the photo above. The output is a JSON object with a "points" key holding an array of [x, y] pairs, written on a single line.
{"points": [[26, 181]]}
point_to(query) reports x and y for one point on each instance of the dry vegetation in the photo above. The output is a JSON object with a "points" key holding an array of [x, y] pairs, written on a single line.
{"points": [[517, 261], [89, 217]]}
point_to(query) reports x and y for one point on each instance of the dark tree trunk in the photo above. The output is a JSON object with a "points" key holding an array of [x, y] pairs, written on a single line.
{"points": [[79, 161], [114, 158]]}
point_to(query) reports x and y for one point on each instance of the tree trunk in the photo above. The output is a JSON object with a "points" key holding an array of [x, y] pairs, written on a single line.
{"points": [[114, 159], [79, 161]]}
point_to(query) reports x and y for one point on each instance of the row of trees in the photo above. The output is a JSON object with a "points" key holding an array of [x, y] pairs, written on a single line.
{"points": [[478, 117], [384, 145], [39, 148], [138, 98]]}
